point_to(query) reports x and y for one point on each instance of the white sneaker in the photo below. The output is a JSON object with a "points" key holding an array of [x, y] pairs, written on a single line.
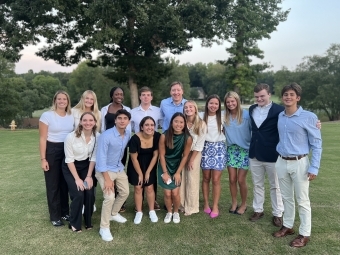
{"points": [[94, 208], [119, 218], [168, 217], [105, 234], [153, 216], [138, 218], [176, 218]]}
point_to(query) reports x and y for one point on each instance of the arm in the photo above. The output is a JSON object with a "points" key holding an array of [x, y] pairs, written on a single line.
{"points": [[161, 148], [187, 146], [152, 164], [43, 128], [136, 166], [88, 178], [103, 113], [315, 143]]}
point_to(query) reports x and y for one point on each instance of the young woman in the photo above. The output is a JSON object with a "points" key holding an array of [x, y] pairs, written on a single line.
{"points": [[87, 103], [141, 169], [237, 128], [174, 148], [213, 155], [191, 173], [54, 126], [80, 156]]}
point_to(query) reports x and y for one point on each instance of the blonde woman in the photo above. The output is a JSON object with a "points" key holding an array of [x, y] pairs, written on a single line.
{"points": [[87, 103], [54, 126], [237, 128], [191, 173]]}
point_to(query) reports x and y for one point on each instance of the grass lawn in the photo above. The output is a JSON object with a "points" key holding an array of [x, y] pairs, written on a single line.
{"points": [[25, 226]]}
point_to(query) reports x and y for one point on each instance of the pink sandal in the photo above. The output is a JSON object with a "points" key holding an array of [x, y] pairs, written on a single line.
{"points": [[207, 211], [214, 215]]}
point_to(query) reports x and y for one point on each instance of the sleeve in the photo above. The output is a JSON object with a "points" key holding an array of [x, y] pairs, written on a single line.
{"points": [[201, 138], [68, 149], [315, 143], [45, 118], [93, 157], [101, 155], [103, 112], [134, 144]]}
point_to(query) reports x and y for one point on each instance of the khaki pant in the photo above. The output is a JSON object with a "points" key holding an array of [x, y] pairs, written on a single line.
{"points": [[112, 205], [190, 187], [293, 178]]}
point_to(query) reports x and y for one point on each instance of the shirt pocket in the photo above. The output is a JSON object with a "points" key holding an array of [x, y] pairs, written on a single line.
{"points": [[78, 148]]}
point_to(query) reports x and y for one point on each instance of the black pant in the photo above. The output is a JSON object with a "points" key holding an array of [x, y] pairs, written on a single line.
{"points": [[78, 197], [56, 186]]}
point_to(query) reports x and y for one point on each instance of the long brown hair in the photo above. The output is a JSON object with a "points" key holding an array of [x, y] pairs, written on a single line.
{"points": [[79, 129], [218, 112], [169, 135]]}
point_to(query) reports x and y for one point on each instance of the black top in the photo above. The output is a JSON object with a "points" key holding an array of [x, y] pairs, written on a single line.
{"points": [[110, 120]]}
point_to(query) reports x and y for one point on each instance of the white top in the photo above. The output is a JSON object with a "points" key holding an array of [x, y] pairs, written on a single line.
{"points": [[260, 113], [198, 141], [76, 115], [213, 135], [104, 112], [58, 127], [138, 113], [76, 148]]}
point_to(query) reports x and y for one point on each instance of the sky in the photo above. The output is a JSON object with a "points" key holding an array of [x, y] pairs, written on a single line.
{"points": [[309, 30]]}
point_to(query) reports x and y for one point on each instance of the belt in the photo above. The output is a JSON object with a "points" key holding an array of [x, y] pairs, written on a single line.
{"points": [[298, 157]]}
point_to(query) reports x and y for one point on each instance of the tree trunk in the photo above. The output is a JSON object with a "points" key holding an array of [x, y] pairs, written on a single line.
{"points": [[133, 92]]}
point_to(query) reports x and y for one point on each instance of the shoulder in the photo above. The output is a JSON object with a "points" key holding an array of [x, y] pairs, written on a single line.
{"points": [[105, 108], [278, 107], [252, 107], [127, 108], [70, 136], [245, 114], [166, 100]]}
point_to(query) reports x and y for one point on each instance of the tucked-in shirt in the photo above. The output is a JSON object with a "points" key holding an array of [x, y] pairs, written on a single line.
{"points": [[58, 127], [104, 111], [138, 113], [198, 140], [260, 113], [239, 134], [76, 148], [213, 135], [168, 109], [110, 151], [298, 135]]}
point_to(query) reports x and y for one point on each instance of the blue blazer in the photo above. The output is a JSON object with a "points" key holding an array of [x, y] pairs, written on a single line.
{"points": [[265, 138]]}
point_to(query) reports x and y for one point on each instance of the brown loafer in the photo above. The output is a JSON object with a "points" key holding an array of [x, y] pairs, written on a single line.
{"points": [[277, 221], [284, 232], [256, 216], [299, 241]]}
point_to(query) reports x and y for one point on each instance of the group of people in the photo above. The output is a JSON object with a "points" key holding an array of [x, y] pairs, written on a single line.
{"points": [[269, 138]]}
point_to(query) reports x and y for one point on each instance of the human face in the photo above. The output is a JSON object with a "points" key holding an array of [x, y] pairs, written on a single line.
{"points": [[178, 124], [213, 106], [88, 101], [290, 99], [146, 97], [148, 127], [262, 97], [88, 122], [176, 93], [118, 96], [61, 101], [189, 109], [231, 103], [122, 121]]}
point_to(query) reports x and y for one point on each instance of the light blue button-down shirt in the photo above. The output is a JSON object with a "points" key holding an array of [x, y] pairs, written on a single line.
{"points": [[110, 150], [298, 135], [169, 108]]}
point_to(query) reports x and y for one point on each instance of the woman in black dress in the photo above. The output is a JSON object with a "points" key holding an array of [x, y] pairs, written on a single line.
{"points": [[141, 170]]}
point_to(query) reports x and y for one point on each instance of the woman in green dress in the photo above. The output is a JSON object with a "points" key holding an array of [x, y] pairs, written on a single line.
{"points": [[174, 148]]}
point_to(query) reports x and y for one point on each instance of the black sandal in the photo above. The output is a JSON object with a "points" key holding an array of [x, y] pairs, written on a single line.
{"points": [[88, 227], [74, 229]]}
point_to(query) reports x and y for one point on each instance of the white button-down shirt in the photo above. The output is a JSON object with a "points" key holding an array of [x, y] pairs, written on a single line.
{"points": [[260, 113], [138, 113]]}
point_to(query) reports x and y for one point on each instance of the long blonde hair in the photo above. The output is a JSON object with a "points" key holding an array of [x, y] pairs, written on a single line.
{"points": [[198, 122], [54, 101], [81, 106], [232, 94]]}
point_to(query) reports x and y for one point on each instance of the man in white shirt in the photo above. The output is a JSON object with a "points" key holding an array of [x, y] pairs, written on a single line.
{"points": [[146, 109]]}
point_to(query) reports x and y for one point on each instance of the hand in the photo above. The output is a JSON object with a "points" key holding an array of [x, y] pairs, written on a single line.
{"points": [[177, 178], [146, 177], [108, 186], [190, 165], [318, 124], [311, 177], [89, 181], [165, 177], [80, 184], [44, 165], [140, 179]]}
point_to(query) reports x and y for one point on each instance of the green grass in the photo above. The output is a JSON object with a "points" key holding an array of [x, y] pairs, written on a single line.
{"points": [[25, 226]]}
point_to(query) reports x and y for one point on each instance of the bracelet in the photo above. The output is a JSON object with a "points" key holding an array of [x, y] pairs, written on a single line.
{"points": [[89, 176], [165, 172], [42, 158]]}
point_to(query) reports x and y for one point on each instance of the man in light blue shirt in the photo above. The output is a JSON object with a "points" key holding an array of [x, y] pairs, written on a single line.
{"points": [[173, 104], [298, 136], [109, 169]]}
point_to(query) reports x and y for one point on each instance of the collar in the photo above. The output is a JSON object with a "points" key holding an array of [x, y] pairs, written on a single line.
{"points": [[140, 108], [172, 101], [296, 113], [266, 106], [116, 133]]}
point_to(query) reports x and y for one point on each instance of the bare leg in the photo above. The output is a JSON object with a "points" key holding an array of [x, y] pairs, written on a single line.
{"points": [[242, 182], [216, 191], [138, 197], [233, 187], [150, 196], [176, 200], [205, 187], [168, 200]]}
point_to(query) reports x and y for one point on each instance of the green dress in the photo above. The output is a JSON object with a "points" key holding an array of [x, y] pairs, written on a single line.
{"points": [[173, 159]]}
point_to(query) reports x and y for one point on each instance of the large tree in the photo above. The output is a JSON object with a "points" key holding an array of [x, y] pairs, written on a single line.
{"points": [[128, 35]]}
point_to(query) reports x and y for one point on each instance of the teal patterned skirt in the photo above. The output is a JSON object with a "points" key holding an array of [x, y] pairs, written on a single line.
{"points": [[237, 157]]}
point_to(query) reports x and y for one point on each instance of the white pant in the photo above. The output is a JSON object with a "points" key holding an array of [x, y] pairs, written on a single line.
{"points": [[293, 177], [258, 170]]}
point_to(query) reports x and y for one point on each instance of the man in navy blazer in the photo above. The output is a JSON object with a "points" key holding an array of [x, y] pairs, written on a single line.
{"points": [[262, 152]]}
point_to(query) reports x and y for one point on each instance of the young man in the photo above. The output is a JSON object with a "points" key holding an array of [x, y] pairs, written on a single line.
{"points": [[146, 109], [109, 168], [298, 135], [172, 104], [262, 152]]}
